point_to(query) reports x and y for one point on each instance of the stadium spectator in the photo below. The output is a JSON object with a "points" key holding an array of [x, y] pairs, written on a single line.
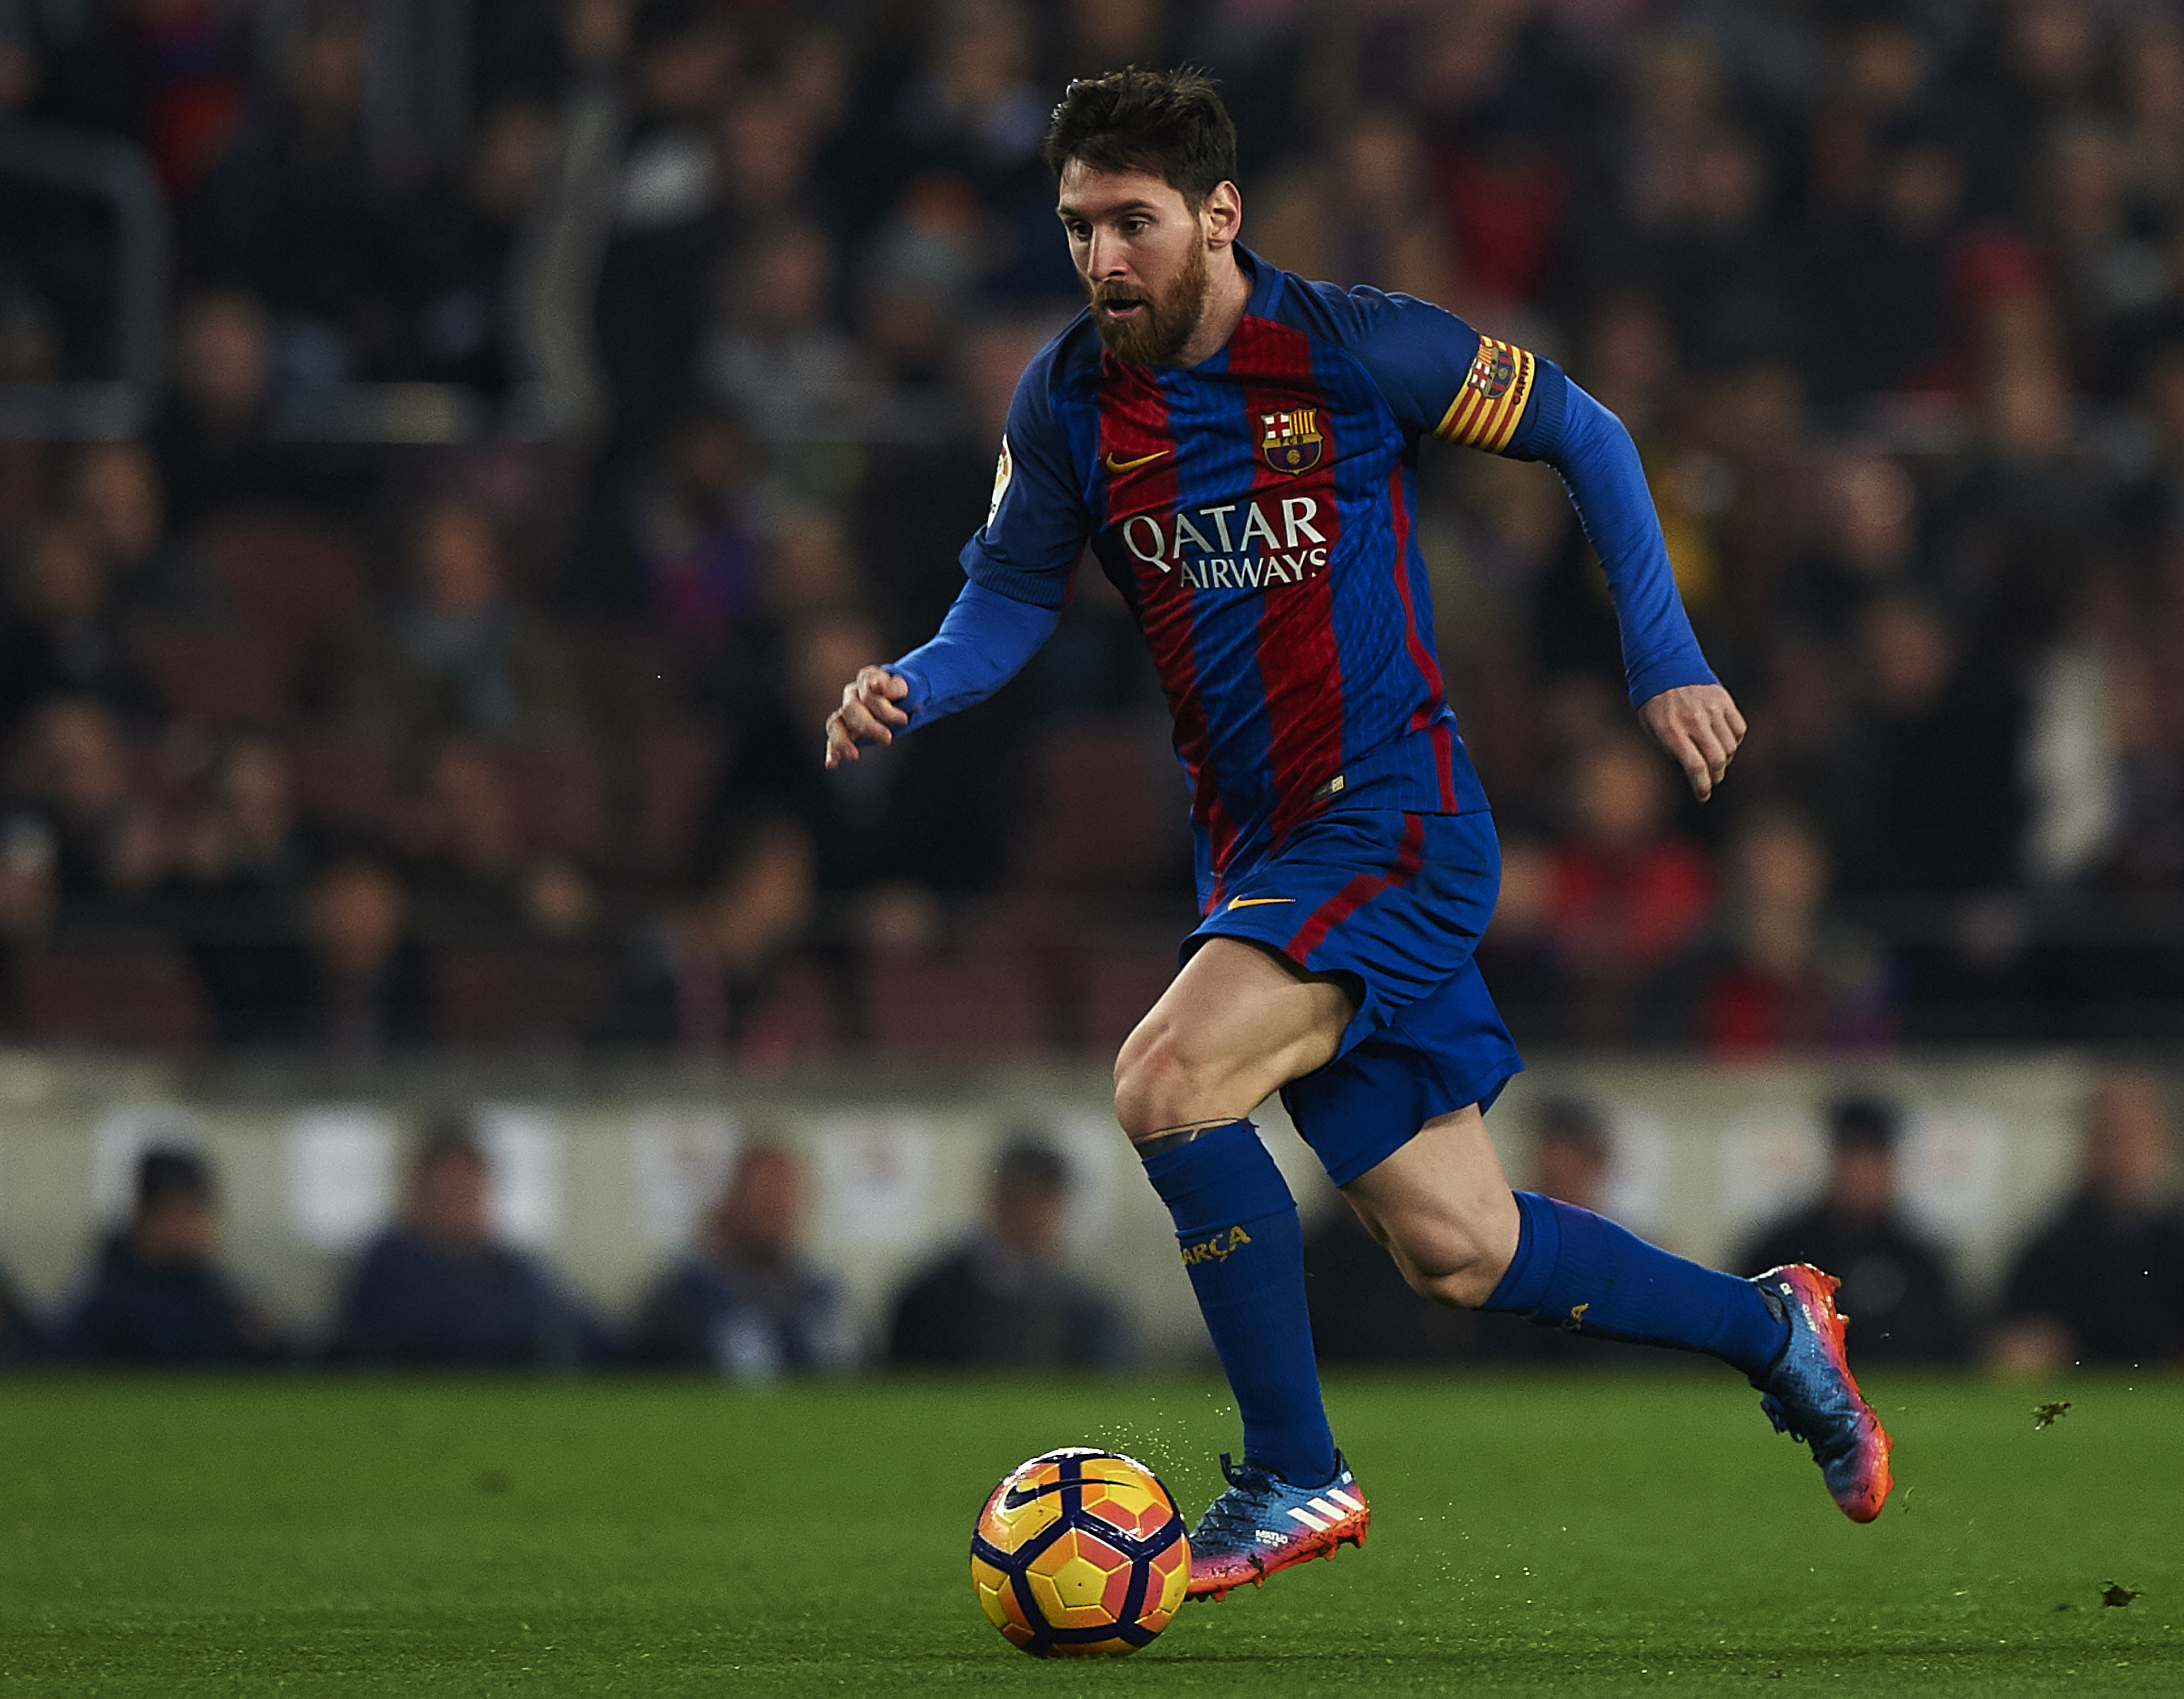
{"points": [[1896, 1285], [212, 436], [116, 489], [698, 980], [110, 846], [353, 987], [477, 876], [440, 1290], [745, 1303], [455, 253], [64, 635], [459, 653], [1003, 1299], [1628, 892], [773, 354], [292, 213], [2104, 1282], [157, 1295], [29, 900], [1778, 971]]}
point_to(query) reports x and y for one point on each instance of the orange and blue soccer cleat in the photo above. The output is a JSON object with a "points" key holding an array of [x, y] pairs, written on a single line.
{"points": [[1810, 1394], [1261, 1523]]}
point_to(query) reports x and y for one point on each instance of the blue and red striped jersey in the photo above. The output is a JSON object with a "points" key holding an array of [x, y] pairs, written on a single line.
{"points": [[1256, 511]]}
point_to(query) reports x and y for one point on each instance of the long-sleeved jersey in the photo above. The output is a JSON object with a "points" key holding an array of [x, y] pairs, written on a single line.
{"points": [[1256, 511]]}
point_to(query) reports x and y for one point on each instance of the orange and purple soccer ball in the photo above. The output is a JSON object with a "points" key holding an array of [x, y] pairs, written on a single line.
{"points": [[1080, 1553]]}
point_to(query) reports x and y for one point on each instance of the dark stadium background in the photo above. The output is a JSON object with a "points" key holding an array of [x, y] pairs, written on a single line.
{"points": [[455, 450]]}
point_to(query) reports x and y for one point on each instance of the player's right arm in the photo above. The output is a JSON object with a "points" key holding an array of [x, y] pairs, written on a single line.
{"points": [[1017, 569]]}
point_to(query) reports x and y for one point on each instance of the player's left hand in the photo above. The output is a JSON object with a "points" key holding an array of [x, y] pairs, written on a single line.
{"points": [[868, 714], [1698, 725]]}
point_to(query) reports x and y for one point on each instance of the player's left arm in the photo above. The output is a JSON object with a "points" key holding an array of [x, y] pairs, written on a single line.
{"points": [[1444, 379], [1677, 696]]}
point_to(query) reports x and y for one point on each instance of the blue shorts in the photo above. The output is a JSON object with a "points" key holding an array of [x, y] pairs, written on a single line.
{"points": [[1393, 903]]}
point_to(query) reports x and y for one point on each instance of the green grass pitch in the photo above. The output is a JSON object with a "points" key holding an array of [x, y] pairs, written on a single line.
{"points": [[1532, 1535]]}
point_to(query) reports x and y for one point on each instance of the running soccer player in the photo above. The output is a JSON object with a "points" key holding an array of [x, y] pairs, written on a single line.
{"points": [[1240, 448]]}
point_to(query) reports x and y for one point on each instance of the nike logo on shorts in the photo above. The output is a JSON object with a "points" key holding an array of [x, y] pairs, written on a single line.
{"points": [[1256, 902]]}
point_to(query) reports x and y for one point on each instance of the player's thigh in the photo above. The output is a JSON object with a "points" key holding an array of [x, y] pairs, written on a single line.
{"points": [[1235, 1025], [1443, 1208]]}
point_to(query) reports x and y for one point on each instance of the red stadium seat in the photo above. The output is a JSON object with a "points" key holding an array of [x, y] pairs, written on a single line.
{"points": [[343, 778], [966, 1003], [218, 675], [1115, 988], [298, 582], [558, 796], [121, 994], [515, 994], [674, 764], [629, 678], [1107, 812]]}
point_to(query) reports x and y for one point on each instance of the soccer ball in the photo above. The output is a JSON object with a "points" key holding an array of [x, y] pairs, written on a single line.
{"points": [[1080, 1553]]}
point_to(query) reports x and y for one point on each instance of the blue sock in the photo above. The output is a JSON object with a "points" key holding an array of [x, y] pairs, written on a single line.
{"points": [[1576, 1270], [1242, 1244]]}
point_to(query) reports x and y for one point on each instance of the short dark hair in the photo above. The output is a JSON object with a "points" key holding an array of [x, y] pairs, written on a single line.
{"points": [[1575, 1125], [1170, 125], [1863, 1123], [1028, 1161], [170, 1172]]}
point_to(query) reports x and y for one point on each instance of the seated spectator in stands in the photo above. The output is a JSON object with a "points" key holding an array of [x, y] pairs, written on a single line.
{"points": [[355, 986], [212, 436], [63, 632], [159, 1295], [475, 874], [458, 653], [242, 861], [774, 355], [1896, 1286], [1629, 892], [29, 899], [744, 1303], [454, 248], [115, 488], [698, 979], [20, 1336], [291, 210], [2104, 1282], [1777, 971], [439, 1291], [693, 528], [110, 846], [1003, 1299]]}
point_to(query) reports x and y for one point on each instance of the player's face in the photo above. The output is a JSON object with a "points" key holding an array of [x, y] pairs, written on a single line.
{"points": [[1141, 253]]}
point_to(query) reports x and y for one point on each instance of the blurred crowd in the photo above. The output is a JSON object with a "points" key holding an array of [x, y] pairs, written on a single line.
{"points": [[2100, 1281], [316, 742]]}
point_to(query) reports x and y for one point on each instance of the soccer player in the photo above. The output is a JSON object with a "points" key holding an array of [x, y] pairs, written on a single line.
{"points": [[1240, 448]]}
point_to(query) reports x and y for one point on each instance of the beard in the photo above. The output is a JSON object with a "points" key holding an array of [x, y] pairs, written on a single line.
{"points": [[1156, 334]]}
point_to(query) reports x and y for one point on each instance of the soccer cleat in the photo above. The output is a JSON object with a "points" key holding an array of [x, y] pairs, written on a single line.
{"points": [[1261, 1523], [1809, 1394]]}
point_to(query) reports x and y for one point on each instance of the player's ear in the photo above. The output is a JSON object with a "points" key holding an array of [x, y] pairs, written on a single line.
{"points": [[1221, 215]]}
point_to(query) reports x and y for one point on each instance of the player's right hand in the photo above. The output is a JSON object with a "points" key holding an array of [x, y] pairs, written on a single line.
{"points": [[868, 714]]}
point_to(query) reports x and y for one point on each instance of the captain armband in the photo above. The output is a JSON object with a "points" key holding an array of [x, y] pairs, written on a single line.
{"points": [[1489, 407]]}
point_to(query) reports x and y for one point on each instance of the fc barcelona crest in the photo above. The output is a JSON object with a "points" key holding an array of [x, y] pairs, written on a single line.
{"points": [[1291, 441]]}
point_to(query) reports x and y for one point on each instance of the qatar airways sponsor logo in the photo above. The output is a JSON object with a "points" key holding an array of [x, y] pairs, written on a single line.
{"points": [[1234, 545]]}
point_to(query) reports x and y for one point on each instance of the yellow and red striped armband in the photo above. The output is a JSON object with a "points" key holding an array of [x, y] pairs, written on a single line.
{"points": [[1487, 408]]}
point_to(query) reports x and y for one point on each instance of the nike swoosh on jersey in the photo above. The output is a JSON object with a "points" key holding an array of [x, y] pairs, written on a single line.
{"points": [[1254, 902], [1116, 465]]}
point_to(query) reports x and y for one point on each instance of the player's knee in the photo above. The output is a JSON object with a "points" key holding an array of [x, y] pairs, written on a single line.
{"points": [[1155, 1087], [1454, 1266]]}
